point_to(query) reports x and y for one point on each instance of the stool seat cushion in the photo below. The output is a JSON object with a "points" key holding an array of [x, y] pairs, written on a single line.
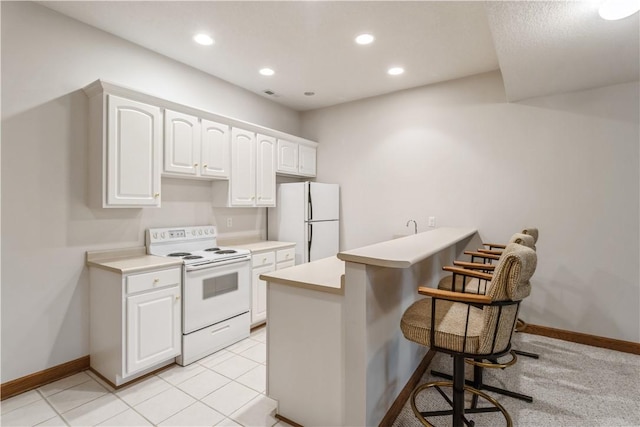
{"points": [[450, 322]]}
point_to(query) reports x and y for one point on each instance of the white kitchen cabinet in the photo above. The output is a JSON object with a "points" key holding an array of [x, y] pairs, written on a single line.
{"points": [[135, 321], [296, 159], [287, 157], [193, 147], [307, 160], [125, 151], [266, 262], [214, 153], [243, 168], [153, 328], [181, 143], [252, 182], [265, 171]]}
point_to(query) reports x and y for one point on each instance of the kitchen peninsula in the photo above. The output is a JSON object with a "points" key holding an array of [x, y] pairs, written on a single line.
{"points": [[335, 352]]}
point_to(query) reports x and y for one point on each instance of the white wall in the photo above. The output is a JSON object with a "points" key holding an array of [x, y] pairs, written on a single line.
{"points": [[567, 164], [46, 224]]}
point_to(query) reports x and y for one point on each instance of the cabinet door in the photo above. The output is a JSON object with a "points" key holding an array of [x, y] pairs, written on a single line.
{"points": [[181, 143], [134, 144], [259, 295], [266, 171], [215, 149], [243, 168], [153, 328], [307, 160], [287, 156]]}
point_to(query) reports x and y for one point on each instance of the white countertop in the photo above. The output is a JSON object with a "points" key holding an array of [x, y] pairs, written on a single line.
{"points": [[324, 275], [409, 250], [129, 260], [263, 245]]}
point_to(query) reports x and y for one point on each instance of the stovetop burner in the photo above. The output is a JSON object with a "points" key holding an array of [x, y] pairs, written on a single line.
{"points": [[212, 249], [192, 257], [180, 254], [226, 251]]}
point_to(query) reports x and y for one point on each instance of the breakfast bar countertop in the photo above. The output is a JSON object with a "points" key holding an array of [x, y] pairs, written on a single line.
{"points": [[409, 250], [324, 275]]}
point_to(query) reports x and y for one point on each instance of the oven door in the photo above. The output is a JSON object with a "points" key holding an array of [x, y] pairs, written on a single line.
{"points": [[213, 293]]}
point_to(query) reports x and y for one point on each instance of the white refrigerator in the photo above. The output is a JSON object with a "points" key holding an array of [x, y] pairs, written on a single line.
{"points": [[307, 213]]}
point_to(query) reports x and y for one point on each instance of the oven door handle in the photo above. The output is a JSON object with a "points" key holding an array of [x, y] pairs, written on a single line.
{"points": [[216, 264]]}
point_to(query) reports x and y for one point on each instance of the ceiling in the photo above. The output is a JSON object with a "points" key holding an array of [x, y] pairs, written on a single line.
{"points": [[541, 48]]}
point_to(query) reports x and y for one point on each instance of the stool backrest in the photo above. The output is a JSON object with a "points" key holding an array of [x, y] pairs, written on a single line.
{"points": [[524, 240], [510, 282], [533, 232]]}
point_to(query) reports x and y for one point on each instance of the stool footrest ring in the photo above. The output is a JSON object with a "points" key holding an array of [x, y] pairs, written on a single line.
{"points": [[494, 365], [497, 407]]}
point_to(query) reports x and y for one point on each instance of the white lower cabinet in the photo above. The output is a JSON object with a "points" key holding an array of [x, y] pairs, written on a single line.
{"points": [[135, 322], [266, 262], [153, 328]]}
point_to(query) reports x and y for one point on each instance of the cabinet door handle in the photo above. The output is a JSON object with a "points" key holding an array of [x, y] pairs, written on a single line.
{"points": [[156, 195], [155, 281], [177, 297], [195, 165], [204, 166]]}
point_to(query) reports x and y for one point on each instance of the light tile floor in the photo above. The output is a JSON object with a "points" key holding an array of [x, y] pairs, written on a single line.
{"points": [[224, 389]]}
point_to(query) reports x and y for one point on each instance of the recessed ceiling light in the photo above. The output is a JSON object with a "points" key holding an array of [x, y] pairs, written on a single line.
{"points": [[267, 72], [395, 71], [203, 39], [365, 39], [612, 10], [309, 93]]}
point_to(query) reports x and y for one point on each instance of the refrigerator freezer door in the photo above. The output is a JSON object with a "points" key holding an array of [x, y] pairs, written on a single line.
{"points": [[322, 240], [322, 201]]}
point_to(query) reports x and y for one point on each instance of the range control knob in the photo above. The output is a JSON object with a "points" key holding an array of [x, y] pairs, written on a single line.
{"points": [[200, 232], [206, 231], [162, 235], [211, 230], [193, 232], [155, 235]]}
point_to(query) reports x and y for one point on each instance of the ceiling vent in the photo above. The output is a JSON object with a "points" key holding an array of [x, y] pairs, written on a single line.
{"points": [[269, 92]]}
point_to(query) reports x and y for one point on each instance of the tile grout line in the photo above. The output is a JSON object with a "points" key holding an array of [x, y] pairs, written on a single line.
{"points": [[64, 420]]}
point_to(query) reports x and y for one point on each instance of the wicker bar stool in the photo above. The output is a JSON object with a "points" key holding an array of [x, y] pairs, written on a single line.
{"points": [[470, 326]]}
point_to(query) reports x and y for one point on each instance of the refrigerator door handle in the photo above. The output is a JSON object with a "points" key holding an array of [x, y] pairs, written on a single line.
{"points": [[310, 204], [310, 240]]}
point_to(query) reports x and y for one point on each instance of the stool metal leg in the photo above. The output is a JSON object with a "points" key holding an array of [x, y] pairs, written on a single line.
{"points": [[458, 390]]}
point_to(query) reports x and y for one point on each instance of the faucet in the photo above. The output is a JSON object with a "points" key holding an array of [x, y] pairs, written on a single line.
{"points": [[415, 225]]}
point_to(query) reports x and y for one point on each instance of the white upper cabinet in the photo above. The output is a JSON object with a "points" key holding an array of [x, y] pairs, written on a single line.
{"points": [[133, 153], [287, 156], [181, 143], [296, 159], [194, 147], [137, 138], [243, 168], [307, 160], [253, 171], [214, 154], [265, 171]]}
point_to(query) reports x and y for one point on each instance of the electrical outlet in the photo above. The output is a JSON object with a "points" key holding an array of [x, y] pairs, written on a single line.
{"points": [[229, 222], [432, 221]]}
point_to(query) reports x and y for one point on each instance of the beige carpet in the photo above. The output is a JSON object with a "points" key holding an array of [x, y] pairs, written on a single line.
{"points": [[571, 385]]}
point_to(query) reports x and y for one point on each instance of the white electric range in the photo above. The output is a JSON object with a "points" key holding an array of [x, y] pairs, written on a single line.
{"points": [[216, 283]]}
